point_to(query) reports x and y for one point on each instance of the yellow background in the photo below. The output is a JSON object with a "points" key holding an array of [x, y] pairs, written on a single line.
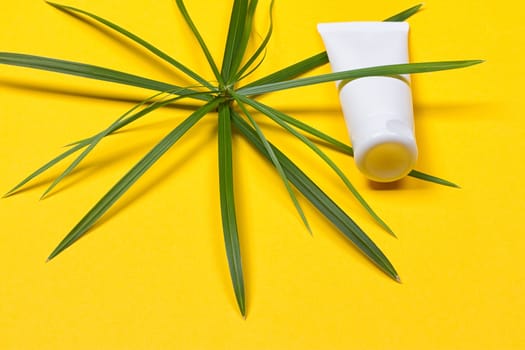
{"points": [[153, 274]]}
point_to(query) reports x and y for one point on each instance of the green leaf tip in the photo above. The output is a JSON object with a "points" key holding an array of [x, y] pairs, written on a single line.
{"points": [[56, 5], [398, 279], [404, 15], [426, 177]]}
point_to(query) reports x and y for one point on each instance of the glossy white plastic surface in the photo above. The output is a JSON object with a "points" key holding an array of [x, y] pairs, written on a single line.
{"points": [[378, 110]]}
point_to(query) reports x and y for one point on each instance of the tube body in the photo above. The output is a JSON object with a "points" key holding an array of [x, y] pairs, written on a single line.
{"points": [[378, 110]]}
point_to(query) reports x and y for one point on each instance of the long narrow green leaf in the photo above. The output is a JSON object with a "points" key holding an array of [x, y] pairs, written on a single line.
{"points": [[292, 71], [229, 221], [202, 43], [274, 160], [206, 95], [386, 70], [259, 50], [322, 202], [90, 71], [276, 116], [46, 166], [243, 45], [235, 33], [85, 142], [319, 134], [131, 177], [237, 39], [252, 70], [431, 178], [138, 40], [94, 141], [319, 59]]}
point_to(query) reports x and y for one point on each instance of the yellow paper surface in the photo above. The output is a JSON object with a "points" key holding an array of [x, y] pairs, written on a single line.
{"points": [[153, 273]]}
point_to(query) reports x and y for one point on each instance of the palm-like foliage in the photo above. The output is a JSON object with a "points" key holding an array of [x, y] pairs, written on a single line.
{"points": [[233, 103]]}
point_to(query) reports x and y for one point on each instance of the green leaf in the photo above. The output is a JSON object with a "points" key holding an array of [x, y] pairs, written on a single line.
{"points": [[206, 95], [83, 143], [45, 167], [259, 50], [319, 59], [430, 178], [140, 41], [229, 221], [292, 71], [131, 177], [202, 43], [317, 133], [273, 158], [93, 142], [404, 15], [276, 116], [238, 34], [322, 202], [90, 71], [387, 70], [251, 71]]}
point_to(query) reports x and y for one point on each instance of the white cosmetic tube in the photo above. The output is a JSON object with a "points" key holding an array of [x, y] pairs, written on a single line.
{"points": [[377, 110]]}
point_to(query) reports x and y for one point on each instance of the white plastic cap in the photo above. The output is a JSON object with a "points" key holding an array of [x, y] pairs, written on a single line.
{"points": [[379, 116]]}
